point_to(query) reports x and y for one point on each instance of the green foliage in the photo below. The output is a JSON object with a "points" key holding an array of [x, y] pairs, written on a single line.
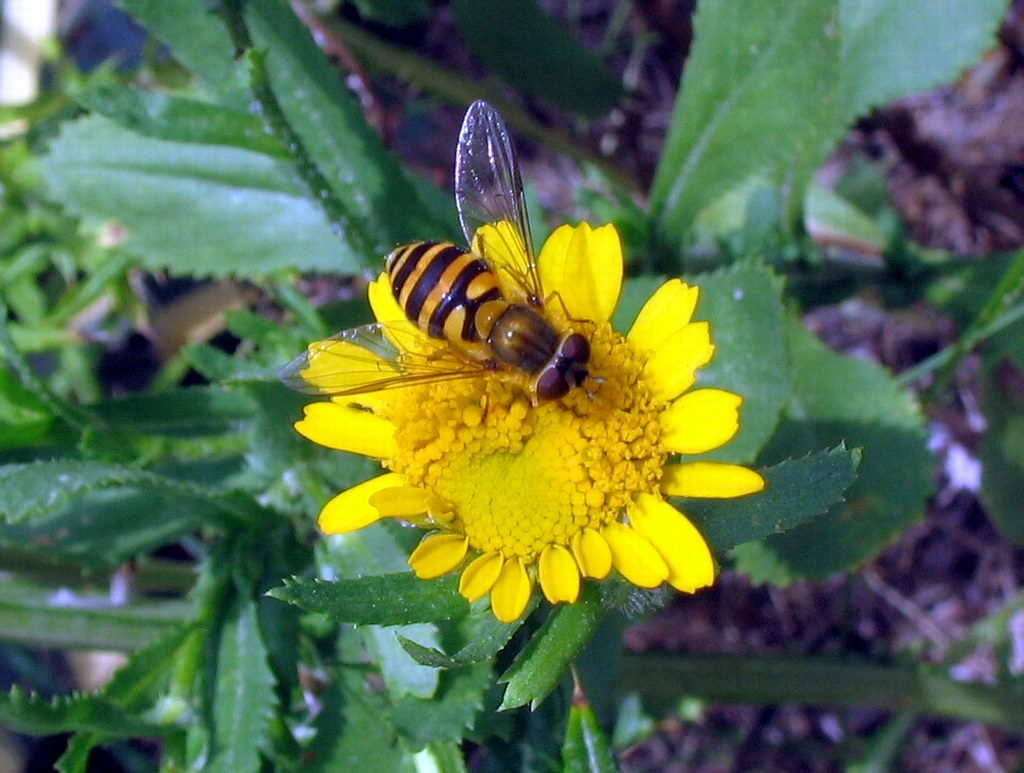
{"points": [[531, 51], [744, 305], [795, 491], [170, 195], [838, 399], [383, 599], [44, 617], [35, 715], [771, 87], [586, 749], [244, 700], [541, 664], [1002, 458], [395, 13]]}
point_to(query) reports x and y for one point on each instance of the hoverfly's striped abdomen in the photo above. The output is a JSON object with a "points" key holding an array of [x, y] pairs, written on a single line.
{"points": [[440, 287]]}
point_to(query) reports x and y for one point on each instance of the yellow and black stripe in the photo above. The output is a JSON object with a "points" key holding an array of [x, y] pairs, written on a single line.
{"points": [[440, 287]]}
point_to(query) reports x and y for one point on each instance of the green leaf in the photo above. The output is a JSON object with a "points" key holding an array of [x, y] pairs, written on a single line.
{"points": [[1002, 458], [191, 411], [197, 38], [75, 758], [352, 731], [772, 86], [368, 180], [635, 292], [167, 117], [743, 303], [484, 635], [106, 528], [834, 221], [41, 489], [449, 713], [542, 663], [135, 686], [586, 748], [839, 399], [895, 47], [24, 418], [244, 699], [796, 490], [389, 599], [33, 715], [204, 210], [56, 618], [394, 13], [403, 675], [530, 51], [759, 82]]}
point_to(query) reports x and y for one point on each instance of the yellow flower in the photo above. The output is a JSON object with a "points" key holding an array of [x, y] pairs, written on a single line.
{"points": [[564, 490]]}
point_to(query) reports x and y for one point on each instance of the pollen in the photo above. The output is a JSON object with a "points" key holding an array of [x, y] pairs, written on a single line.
{"points": [[518, 477]]}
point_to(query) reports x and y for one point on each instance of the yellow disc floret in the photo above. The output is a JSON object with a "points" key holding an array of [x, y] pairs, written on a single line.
{"points": [[520, 477]]}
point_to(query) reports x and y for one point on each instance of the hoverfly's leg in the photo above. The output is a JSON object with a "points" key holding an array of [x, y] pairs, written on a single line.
{"points": [[557, 296]]}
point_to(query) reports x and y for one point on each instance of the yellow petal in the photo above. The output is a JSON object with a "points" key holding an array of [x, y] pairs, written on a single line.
{"points": [[400, 331], [669, 371], [400, 501], [438, 554], [710, 480], [670, 309], [351, 509], [346, 428], [583, 266], [511, 592], [634, 556], [559, 575], [700, 420], [382, 300], [592, 554], [688, 556], [502, 246], [480, 576]]}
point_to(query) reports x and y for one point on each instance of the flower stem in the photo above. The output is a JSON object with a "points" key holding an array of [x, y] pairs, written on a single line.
{"points": [[663, 679]]}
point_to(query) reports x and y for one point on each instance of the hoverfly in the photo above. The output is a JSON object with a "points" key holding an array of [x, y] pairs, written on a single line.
{"points": [[456, 298]]}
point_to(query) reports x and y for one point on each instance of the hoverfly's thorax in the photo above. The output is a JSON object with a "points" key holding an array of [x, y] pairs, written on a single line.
{"points": [[522, 338]]}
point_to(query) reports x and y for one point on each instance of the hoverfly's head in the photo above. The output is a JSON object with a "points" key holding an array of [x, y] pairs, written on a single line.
{"points": [[566, 370]]}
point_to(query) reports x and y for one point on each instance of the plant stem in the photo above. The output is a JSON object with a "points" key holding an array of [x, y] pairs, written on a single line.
{"points": [[663, 679], [149, 575], [955, 351]]}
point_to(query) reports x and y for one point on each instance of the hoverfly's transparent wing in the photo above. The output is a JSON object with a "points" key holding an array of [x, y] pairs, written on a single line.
{"points": [[374, 357], [489, 197]]}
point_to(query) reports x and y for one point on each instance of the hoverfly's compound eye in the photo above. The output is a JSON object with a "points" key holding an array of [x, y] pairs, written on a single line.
{"points": [[551, 383], [575, 348]]}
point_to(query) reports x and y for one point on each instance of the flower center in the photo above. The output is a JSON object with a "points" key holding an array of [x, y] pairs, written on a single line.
{"points": [[519, 477]]}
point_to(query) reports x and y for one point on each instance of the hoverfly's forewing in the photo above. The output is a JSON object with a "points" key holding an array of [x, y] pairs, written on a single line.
{"points": [[489, 197], [374, 357]]}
